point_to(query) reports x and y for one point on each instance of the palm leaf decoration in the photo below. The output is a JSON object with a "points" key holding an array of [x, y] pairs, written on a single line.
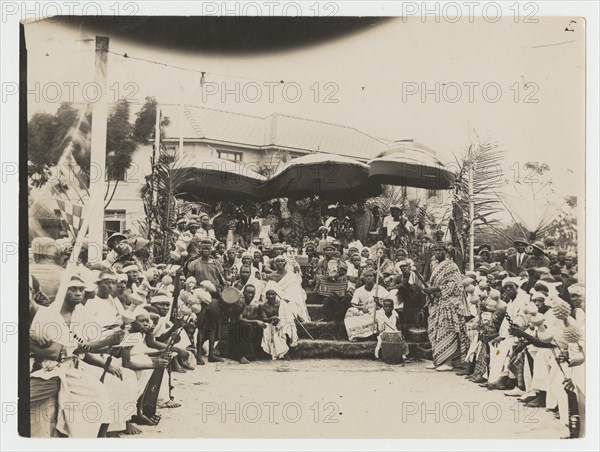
{"points": [[485, 158]]}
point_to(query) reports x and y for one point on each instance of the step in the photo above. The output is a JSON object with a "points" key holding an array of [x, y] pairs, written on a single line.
{"points": [[323, 331], [316, 312], [328, 349], [308, 349], [314, 298]]}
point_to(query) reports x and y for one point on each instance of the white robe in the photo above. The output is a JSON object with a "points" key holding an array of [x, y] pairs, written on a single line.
{"points": [[84, 402]]}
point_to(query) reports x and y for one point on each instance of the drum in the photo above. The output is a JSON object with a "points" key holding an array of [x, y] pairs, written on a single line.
{"points": [[417, 334], [393, 347], [233, 298]]}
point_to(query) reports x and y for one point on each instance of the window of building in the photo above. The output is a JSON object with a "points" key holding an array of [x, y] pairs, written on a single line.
{"points": [[230, 155], [114, 221]]}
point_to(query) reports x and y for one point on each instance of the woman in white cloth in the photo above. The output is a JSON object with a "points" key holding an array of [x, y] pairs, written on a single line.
{"points": [[280, 326], [84, 406]]}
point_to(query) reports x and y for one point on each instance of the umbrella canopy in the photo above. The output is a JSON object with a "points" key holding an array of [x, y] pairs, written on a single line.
{"points": [[332, 177], [410, 164], [201, 178]]}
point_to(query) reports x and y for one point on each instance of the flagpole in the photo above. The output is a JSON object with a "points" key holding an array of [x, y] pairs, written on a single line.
{"points": [[471, 202], [180, 122], [471, 220], [98, 152]]}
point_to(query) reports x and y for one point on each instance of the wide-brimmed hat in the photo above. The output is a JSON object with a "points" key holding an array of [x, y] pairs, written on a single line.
{"points": [[520, 241], [484, 247], [115, 238], [539, 246]]}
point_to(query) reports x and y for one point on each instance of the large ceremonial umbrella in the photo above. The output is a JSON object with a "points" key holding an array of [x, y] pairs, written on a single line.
{"points": [[410, 164], [332, 177], [200, 178]]}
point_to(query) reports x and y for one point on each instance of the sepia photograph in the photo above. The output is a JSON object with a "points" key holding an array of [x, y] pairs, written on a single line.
{"points": [[288, 220]]}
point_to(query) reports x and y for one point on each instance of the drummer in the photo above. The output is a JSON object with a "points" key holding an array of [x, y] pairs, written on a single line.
{"points": [[206, 267]]}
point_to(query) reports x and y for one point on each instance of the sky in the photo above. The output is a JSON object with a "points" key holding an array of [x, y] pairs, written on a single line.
{"points": [[521, 85]]}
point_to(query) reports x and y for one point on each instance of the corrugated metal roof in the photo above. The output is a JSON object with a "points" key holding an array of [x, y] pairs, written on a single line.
{"points": [[274, 130]]}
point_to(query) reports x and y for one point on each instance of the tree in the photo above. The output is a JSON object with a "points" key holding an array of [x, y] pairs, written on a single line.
{"points": [[145, 123], [49, 135], [120, 146], [70, 128], [483, 158]]}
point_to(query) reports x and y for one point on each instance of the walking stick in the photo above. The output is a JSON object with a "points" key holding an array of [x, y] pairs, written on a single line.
{"points": [[297, 320]]}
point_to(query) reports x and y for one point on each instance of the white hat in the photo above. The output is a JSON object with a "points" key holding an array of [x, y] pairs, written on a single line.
{"points": [[76, 281], [576, 289], [535, 295], [139, 311], [130, 268], [161, 298], [272, 285], [514, 280]]}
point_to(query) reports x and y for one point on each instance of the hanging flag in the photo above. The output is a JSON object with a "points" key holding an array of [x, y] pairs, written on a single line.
{"points": [[72, 214]]}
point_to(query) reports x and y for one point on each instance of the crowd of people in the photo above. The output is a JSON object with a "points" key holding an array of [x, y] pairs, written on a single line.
{"points": [[236, 284]]}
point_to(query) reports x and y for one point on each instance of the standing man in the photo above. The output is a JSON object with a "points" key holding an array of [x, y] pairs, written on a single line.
{"points": [[206, 268], [363, 223], [447, 310], [395, 226], [538, 256], [518, 259], [340, 224]]}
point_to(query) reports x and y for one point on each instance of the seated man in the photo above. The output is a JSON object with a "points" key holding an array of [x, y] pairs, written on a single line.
{"points": [[289, 286], [332, 283], [280, 332], [360, 318], [245, 332]]}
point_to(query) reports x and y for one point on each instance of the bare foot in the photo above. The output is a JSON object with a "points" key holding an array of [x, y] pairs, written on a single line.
{"points": [[170, 404], [244, 360], [215, 359], [131, 429], [140, 419]]}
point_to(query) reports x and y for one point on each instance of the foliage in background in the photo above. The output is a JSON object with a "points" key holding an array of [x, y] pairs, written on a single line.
{"points": [[485, 159]]}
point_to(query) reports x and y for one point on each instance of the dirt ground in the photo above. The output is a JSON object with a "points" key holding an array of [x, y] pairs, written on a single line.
{"points": [[342, 399]]}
